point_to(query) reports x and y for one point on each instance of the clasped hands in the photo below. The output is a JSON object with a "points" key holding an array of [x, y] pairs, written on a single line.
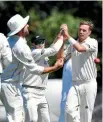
{"points": [[64, 32]]}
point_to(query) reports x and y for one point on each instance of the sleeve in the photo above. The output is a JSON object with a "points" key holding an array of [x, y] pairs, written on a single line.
{"points": [[25, 57], [47, 52], [42, 53], [6, 54], [91, 45], [67, 52]]}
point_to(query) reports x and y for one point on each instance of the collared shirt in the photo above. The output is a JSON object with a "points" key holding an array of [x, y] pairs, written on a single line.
{"points": [[41, 58], [39, 80], [21, 58], [83, 65], [5, 52]]}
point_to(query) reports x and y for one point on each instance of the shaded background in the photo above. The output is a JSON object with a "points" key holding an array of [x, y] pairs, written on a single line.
{"points": [[46, 18]]}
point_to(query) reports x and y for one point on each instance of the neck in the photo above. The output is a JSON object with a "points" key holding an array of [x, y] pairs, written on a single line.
{"points": [[82, 40], [21, 34]]}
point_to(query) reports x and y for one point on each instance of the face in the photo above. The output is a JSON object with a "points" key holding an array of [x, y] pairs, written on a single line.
{"points": [[39, 46], [26, 30], [83, 32]]}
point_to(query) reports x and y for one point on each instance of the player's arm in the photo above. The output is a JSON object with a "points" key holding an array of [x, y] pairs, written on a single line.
{"points": [[76, 45], [25, 57], [59, 64], [88, 46], [73, 42], [91, 45], [60, 54], [47, 52], [6, 54]]}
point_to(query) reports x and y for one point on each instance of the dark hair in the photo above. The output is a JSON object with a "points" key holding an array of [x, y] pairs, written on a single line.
{"points": [[89, 23], [38, 40]]}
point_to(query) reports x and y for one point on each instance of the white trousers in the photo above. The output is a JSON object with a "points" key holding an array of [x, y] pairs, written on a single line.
{"points": [[36, 106], [13, 102], [80, 101]]}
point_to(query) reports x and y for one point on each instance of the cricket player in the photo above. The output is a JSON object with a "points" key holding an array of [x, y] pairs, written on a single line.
{"points": [[34, 85], [82, 94], [14, 73], [5, 54]]}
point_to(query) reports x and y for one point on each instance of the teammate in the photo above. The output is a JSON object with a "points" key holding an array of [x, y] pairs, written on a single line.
{"points": [[5, 54], [34, 85], [82, 94], [13, 74]]}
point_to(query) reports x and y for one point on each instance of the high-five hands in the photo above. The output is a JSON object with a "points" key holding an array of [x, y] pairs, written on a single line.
{"points": [[64, 27]]}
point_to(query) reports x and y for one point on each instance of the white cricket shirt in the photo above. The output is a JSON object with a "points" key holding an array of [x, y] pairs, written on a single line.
{"points": [[83, 65]]}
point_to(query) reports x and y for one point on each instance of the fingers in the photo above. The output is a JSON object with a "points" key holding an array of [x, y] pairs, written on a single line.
{"points": [[63, 32], [64, 27], [59, 62]]}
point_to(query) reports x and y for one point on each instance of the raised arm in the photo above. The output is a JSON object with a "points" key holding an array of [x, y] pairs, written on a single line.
{"points": [[26, 58], [47, 52], [90, 45]]}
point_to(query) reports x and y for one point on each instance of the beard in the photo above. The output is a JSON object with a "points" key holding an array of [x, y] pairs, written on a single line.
{"points": [[26, 32]]}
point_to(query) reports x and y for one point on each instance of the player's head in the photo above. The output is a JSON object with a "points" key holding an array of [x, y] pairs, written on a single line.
{"points": [[38, 41], [18, 25], [85, 29]]}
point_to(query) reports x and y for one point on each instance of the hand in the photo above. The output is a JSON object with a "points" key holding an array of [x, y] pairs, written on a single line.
{"points": [[62, 28], [59, 63], [65, 28], [61, 35]]}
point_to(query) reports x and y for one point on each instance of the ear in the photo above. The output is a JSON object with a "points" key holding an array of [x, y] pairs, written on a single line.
{"points": [[90, 32], [33, 44]]}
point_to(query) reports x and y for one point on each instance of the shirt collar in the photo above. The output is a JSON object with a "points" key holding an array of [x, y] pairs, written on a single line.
{"points": [[16, 37], [84, 40]]}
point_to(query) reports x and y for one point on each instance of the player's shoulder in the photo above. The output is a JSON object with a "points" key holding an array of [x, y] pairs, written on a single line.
{"points": [[91, 41], [1, 34], [2, 37]]}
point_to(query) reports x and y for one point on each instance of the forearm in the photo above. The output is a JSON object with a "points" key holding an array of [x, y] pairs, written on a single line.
{"points": [[60, 54], [50, 69], [27, 61], [76, 45], [58, 44]]}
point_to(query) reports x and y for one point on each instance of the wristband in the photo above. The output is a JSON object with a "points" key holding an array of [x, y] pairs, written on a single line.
{"points": [[72, 41]]}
